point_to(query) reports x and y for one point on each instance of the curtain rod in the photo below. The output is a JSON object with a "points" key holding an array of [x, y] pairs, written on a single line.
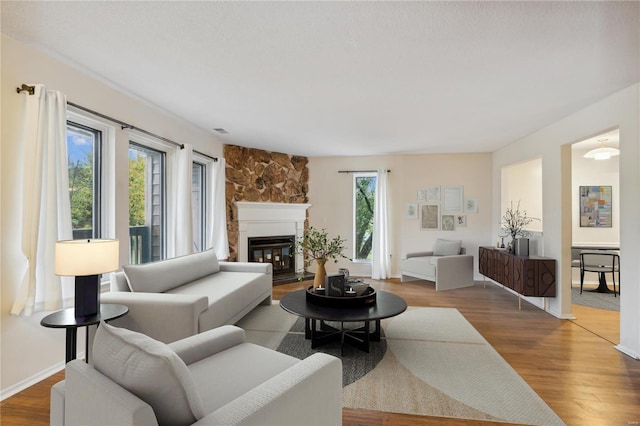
{"points": [[360, 171], [123, 125]]}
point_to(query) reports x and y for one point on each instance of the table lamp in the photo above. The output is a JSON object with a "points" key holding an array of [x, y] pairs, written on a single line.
{"points": [[86, 260]]}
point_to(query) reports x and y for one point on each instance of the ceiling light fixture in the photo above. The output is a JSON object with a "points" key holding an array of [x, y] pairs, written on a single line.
{"points": [[602, 152]]}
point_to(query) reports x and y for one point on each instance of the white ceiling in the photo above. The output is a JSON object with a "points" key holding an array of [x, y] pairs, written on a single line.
{"points": [[349, 78]]}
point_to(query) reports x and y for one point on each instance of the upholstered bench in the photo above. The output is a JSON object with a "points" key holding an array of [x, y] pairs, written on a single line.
{"points": [[447, 265]]}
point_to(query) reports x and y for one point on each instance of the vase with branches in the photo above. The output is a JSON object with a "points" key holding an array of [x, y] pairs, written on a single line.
{"points": [[315, 245], [514, 222]]}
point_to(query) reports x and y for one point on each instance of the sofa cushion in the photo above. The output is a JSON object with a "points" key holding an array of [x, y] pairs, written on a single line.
{"points": [[150, 370], [158, 277], [446, 247], [228, 374], [423, 266], [229, 293]]}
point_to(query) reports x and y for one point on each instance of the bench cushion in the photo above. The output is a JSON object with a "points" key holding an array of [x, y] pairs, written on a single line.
{"points": [[447, 247], [422, 266]]}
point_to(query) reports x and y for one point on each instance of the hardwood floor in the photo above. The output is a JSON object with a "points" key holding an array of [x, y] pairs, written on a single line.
{"points": [[572, 365]]}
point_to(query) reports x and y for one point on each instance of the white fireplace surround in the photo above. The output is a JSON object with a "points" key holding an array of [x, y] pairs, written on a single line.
{"points": [[269, 220]]}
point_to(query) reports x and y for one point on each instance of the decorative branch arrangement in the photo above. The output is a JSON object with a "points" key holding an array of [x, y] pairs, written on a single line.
{"points": [[315, 244], [514, 222]]}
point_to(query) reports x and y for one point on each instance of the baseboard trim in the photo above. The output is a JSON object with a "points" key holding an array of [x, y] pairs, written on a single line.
{"points": [[30, 381], [627, 351]]}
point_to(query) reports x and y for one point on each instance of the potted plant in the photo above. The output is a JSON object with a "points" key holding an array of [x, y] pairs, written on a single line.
{"points": [[514, 222], [315, 245]]}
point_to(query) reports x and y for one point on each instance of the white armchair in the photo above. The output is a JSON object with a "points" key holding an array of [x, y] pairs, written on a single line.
{"points": [[447, 265], [212, 378]]}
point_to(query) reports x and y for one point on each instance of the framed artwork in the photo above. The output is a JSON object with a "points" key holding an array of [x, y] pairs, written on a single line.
{"points": [[433, 194], [461, 221], [448, 222], [595, 207], [412, 211], [421, 195], [430, 217], [452, 199], [471, 205]]}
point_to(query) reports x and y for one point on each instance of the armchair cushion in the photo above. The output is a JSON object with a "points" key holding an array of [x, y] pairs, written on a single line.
{"points": [[150, 370], [164, 275], [447, 247]]}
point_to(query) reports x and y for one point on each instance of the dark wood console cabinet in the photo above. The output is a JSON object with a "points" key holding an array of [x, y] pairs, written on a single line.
{"points": [[527, 275]]}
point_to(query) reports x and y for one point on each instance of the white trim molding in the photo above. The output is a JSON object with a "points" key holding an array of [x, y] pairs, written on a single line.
{"points": [[269, 220]]}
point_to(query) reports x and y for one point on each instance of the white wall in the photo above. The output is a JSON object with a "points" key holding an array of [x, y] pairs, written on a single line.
{"points": [[522, 183], [619, 110], [29, 351], [331, 197], [589, 172]]}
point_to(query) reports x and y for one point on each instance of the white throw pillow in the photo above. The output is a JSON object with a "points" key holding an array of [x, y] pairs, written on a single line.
{"points": [[150, 370], [447, 247], [165, 275]]}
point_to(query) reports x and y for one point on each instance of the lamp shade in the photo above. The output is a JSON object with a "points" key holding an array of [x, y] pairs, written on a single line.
{"points": [[86, 257], [602, 153]]}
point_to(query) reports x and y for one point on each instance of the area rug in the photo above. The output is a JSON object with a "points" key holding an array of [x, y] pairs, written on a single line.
{"points": [[435, 364], [595, 300]]}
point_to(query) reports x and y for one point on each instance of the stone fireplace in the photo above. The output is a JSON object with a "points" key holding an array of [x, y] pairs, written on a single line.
{"points": [[257, 221]]}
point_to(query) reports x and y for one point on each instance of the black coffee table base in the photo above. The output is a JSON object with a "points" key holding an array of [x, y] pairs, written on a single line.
{"points": [[320, 321], [320, 333]]}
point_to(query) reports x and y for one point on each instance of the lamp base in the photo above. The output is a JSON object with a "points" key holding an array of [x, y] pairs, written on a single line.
{"points": [[87, 295]]}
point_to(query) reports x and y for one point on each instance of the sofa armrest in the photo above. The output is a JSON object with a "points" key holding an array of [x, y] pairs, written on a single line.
{"points": [[56, 405], [165, 317], [194, 348], [419, 254], [454, 271], [285, 399], [453, 261], [91, 398], [261, 268]]}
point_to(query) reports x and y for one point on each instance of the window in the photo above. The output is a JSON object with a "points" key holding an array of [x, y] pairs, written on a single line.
{"points": [[147, 205], [84, 147], [198, 201], [364, 192]]}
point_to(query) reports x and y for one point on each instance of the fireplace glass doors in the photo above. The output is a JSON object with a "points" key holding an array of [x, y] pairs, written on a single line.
{"points": [[275, 250]]}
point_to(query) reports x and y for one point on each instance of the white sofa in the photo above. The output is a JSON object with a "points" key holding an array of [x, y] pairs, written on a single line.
{"points": [[447, 265], [175, 298], [213, 378]]}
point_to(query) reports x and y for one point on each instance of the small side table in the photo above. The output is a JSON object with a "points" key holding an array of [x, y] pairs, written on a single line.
{"points": [[66, 319]]}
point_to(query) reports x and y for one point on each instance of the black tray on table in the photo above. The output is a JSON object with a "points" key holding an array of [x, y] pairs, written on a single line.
{"points": [[367, 298]]}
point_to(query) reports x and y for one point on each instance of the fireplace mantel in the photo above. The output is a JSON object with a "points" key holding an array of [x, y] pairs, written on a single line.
{"points": [[267, 220]]}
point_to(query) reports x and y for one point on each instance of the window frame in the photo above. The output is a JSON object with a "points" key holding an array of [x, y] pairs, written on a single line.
{"points": [[203, 202], [97, 212], [166, 151], [107, 169], [357, 175]]}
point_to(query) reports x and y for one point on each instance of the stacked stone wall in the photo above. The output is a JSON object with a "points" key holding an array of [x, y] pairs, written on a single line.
{"points": [[261, 176]]}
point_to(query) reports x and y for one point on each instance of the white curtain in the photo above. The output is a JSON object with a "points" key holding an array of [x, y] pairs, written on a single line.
{"points": [[46, 209], [216, 211], [180, 229], [381, 265]]}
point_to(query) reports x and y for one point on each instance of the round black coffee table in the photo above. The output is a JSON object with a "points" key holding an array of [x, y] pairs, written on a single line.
{"points": [[387, 305]]}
